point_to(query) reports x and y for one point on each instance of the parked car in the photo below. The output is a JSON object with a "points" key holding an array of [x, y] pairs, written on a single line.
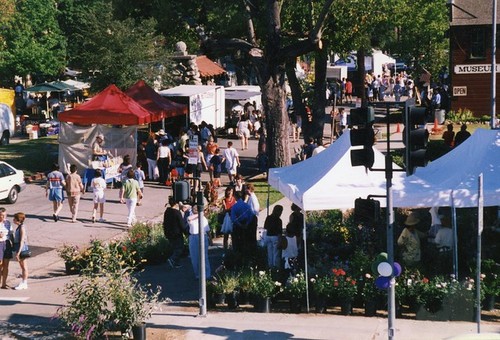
{"points": [[11, 182]]}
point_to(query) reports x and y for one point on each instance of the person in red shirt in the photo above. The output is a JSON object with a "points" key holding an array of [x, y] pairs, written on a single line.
{"points": [[348, 91]]}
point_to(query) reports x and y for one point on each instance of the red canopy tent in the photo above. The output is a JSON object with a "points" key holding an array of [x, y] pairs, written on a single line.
{"points": [[111, 106], [159, 106]]}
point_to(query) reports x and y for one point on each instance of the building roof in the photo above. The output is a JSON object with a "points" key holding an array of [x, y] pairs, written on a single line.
{"points": [[471, 12], [208, 68]]}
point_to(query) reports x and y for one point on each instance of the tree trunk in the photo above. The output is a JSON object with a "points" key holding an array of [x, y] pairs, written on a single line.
{"points": [[277, 123], [319, 98]]}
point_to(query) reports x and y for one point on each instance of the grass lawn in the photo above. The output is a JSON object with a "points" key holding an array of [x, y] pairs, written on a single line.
{"points": [[33, 155], [261, 188]]}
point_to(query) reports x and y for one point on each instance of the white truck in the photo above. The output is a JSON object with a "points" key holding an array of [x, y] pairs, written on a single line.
{"points": [[7, 124], [205, 103]]}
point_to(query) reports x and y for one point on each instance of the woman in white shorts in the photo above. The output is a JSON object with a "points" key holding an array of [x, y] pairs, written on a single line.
{"points": [[243, 131], [98, 185]]}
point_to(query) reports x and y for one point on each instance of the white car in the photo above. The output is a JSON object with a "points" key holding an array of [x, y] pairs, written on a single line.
{"points": [[11, 182]]}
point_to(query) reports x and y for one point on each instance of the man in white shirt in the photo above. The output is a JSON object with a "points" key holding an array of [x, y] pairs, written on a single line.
{"points": [[232, 160]]}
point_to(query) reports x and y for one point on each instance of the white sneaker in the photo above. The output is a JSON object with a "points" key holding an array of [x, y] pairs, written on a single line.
{"points": [[22, 285], [102, 220]]}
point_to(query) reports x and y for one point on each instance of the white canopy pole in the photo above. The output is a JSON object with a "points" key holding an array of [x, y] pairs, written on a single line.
{"points": [[480, 204], [304, 236], [455, 235]]}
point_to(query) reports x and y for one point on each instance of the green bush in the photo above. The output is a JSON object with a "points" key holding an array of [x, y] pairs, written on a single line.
{"points": [[147, 243]]}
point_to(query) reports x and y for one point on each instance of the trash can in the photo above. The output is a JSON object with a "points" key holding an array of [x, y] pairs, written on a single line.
{"points": [[439, 115]]}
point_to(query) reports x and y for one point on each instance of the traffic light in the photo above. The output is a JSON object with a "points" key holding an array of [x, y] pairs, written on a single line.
{"points": [[415, 139], [362, 116], [181, 191], [365, 137], [366, 211]]}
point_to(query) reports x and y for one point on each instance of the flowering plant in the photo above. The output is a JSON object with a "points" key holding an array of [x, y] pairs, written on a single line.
{"points": [[296, 285], [431, 293], [370, 291], [69, 252], [322, 286], [344, 286], [264, 285], [490, 277], [96, 304]]}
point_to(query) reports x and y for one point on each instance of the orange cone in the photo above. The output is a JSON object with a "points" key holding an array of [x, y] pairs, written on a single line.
{"points": [[398, 128], [436, 128]]}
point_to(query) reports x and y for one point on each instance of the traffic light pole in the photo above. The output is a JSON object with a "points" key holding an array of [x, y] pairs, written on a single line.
{"points": [[391, 292]]}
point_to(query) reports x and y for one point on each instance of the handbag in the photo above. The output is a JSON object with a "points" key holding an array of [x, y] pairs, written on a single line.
{"points": [[227, 225], [25, 253]]}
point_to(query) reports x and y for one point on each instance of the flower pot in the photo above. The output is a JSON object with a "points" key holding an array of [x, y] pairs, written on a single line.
{"points": [[71, 268], [263, 304], [295, 305], [370, 308], [346, 307], [244, 298], [489, 302], [139, 331], [232, 300], [220, 298], [320, 305]]}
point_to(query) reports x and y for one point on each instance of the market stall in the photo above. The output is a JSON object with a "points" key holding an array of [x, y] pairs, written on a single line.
{"points": [[110, 113]]}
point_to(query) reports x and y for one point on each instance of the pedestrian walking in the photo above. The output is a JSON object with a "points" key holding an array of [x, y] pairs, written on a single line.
{"points": [[74, 189], [129, 195], [173, 228], [54, 190], [98, 185], [5, 246]]}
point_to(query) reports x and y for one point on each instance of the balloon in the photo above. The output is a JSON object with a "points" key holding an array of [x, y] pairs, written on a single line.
{"points": [[384, 269], [382, 282], [374, 268], [381, 257], [397, 269]]}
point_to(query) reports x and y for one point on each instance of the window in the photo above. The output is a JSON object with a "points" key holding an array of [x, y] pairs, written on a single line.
{"points": [[478, 43], [6, 170]]}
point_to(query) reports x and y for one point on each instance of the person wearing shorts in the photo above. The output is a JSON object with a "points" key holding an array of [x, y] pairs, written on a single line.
{"points": [[54, 190], [98, 185]]}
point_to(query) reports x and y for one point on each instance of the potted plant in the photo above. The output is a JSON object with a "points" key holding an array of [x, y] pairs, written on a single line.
{"points": [[295, 288], [371, 294], [430, 295], [229, 282], [460, 299], [246, 281], [72, 257], [264, 288], [490, 282], [345, 289], [322, 287], [97, 304]]}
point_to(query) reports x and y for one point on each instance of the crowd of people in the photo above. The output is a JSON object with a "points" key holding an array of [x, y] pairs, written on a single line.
{"points": [[238, 216]]}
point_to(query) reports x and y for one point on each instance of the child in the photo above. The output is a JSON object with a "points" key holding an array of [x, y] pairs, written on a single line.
{"points": [[216, 164], [140, 177], [98, 185]]}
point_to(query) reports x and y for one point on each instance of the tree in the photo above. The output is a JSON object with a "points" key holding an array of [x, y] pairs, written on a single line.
{"points": [[33, 42], [112, 51]]}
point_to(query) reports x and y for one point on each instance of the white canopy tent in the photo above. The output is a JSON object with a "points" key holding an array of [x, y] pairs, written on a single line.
{"points": [[329, 181], [456, 172]]}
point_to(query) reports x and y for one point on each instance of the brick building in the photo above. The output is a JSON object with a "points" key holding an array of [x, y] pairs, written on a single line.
{"points": [[470, 55]]}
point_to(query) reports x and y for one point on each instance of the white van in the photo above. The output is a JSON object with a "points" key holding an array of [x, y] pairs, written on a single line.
{"points": [[7, 124]]}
